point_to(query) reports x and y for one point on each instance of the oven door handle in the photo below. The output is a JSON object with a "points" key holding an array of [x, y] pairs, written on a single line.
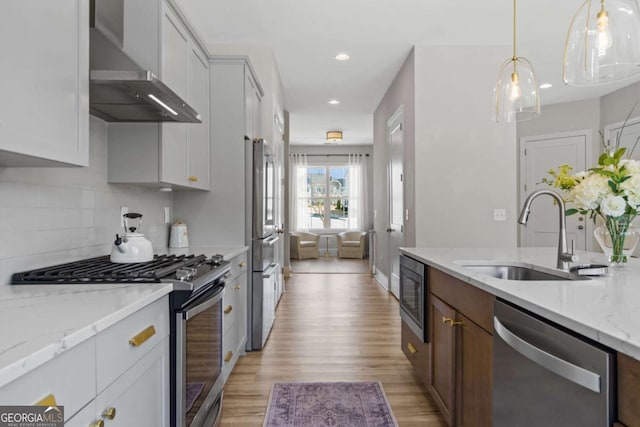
{"points": [[199, 308]]}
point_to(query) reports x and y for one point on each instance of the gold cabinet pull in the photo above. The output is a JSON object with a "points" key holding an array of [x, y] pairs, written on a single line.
{"points": [[228, 356], [237, 287], [411, 348], [143, 336], [98, 423], [48, 400], [193, 178], [449, 321], [242, 264], [228, 309], [109, 413]]}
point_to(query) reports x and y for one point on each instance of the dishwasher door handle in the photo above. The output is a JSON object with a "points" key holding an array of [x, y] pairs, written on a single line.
{"points": [[566, 370]]}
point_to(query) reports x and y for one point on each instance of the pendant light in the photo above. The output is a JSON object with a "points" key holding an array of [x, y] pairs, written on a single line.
{"points": [[516, 96], [603, 43]]}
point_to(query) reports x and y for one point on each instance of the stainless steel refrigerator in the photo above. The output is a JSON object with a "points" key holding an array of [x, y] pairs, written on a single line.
{"points": [[263, 238]]}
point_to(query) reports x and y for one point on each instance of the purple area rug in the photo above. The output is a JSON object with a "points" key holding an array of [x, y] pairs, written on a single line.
{"points": [[339, 404], [192, 393]]}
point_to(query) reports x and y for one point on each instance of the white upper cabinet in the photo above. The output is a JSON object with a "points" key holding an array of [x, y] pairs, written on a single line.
{"points": [[167, 154], [198, 135], [44, 83]]}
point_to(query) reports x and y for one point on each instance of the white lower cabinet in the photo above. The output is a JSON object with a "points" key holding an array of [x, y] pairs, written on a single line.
{"points": [[120, 377], [235, 315], [85, 418], [140, 397], [69, 378]]}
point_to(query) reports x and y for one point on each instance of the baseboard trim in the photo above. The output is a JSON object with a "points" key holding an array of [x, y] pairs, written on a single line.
{"points": [[382, 280]]}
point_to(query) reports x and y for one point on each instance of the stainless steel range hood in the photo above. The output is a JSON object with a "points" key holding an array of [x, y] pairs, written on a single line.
{"points": [[119, 89]]}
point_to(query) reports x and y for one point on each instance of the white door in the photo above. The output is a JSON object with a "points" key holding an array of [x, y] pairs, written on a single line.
{"points": [[395, 231], [537, 156]]}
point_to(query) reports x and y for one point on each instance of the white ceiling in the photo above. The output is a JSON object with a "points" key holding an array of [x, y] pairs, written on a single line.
{"points": [[305, 35]]}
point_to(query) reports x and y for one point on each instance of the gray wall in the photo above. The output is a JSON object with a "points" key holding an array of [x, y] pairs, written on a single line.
{"points": [[54, 215], [401, 92], [615, 106], [465, 163]]}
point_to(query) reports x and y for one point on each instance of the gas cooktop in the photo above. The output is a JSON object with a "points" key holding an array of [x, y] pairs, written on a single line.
{"points": [[102, 270]]}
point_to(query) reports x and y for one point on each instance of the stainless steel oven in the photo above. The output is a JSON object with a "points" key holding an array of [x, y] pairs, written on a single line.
{"points": [[413, 296], [197, 382]]}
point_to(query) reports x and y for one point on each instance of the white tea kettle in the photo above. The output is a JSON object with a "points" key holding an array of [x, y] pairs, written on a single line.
{"points": [[131, 247]]}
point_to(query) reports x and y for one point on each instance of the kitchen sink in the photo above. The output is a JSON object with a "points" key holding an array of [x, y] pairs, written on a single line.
{"points": [[519, 272]]}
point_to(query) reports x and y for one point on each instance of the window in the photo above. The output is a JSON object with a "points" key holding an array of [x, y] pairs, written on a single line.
{"points": [[324, 199], [326, 196]]}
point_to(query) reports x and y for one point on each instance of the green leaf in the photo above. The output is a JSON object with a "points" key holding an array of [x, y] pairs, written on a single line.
{"points": [[613, 186], [624, 178], [603, 172], [603, 157], [619, 153], [571, 212]]}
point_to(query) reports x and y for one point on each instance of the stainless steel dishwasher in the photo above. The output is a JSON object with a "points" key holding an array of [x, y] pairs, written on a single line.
{"points": [[544, 375]]}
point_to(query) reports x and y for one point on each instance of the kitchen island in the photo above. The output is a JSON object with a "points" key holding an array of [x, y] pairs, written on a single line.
{"points": [[459, 313]]}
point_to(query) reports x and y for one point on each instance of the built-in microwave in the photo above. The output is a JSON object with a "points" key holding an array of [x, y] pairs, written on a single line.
{"points": [[413, 296]]}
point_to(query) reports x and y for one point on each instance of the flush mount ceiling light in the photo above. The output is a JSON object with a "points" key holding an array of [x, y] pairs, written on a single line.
{"points": [[546, 85], [334, 102], [603, 43], [516, 96], [334, 136], [342, 56]]}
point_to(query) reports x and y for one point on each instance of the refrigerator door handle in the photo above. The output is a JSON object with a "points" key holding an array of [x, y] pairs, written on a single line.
{"points": [[566, 370], [272, 240]]}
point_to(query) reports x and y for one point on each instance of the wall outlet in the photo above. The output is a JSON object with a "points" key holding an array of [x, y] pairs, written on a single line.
{"points": [[123, 210], [167, 214], [499, 214]]}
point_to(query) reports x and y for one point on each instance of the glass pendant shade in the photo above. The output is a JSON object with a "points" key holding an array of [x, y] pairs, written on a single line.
{"points": [[516, 96], [603, 43]]}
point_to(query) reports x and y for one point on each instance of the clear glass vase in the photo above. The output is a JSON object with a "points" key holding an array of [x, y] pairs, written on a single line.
{"points": [[618, 238]]}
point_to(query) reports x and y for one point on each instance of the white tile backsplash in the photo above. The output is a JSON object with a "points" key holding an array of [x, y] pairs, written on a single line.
{"points": [[54, 215]]}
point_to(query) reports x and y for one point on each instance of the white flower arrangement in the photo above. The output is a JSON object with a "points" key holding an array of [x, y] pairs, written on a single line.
{"points": [[610, 191]]}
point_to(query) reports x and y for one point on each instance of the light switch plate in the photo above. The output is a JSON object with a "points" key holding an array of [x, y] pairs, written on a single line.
{"points": [[499, 214], [167, 214]]}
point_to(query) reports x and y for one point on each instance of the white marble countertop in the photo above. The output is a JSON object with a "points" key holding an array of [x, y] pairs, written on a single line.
{"points": [[605, 309], [41, 321]]}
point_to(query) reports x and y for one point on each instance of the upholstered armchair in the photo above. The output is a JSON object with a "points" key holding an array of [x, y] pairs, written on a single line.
{"points": [[351, 244], [304, 245]]}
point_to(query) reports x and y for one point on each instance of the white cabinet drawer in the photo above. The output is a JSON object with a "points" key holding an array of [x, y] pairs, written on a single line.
{"points": [[238, 265], [229, 307], [140, 397], [229, 351], [85, 417], [70, 378], [115, 347]]}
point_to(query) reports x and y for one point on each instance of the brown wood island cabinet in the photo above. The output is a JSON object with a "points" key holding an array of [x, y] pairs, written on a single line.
{"points": [[456, 364], [461, 317]]}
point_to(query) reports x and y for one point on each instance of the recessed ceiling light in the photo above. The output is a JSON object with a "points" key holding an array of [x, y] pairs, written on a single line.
{"points": [[334, 102], [342, 56], [545, 85]]}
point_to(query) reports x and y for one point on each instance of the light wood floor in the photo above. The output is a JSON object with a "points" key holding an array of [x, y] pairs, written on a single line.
{"points": [[330, 265], [330, 327]]}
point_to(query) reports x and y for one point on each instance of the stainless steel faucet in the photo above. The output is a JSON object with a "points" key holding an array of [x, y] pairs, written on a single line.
{"points": [[564, 257]]}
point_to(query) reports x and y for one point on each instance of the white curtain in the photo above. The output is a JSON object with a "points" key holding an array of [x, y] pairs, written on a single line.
{"points": [[357, 184], [298, 191]]}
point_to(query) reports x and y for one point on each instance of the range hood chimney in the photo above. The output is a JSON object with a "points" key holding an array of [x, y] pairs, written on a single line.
{"points": [[119, 89]]}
